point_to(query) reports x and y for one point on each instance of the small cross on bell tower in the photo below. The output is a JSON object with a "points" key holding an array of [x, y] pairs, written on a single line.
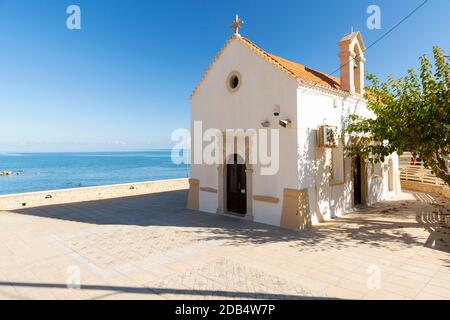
{"points": [[236, 24]]}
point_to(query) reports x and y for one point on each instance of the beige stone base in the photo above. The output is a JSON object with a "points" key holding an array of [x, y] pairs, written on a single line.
{"points": [[194, 194], [295, 214]]}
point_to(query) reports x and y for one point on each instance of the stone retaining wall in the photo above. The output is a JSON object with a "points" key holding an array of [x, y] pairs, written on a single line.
{"points": [[44, 198], [412, 185]]}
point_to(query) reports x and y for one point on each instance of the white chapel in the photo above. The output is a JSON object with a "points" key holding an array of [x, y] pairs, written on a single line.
{"points": [[249, 89]]}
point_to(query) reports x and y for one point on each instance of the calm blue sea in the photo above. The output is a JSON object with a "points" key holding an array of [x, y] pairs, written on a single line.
{"points": [[48, 171]]}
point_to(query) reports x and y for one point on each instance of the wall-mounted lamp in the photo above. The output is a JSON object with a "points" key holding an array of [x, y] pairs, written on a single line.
{"points": [[286, 123], [276, 110], [265, 124]]}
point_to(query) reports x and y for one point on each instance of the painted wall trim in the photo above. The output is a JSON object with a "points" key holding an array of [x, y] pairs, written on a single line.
{"points": [[267, 199], [208, 189]]}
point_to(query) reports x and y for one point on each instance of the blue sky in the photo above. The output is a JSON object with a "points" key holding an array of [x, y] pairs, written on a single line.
{"points": [[123, 81]]}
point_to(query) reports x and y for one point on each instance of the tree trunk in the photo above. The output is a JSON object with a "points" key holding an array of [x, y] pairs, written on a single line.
{"points": [[439, 166]]}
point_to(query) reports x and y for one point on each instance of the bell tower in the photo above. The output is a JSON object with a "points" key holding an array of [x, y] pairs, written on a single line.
{"points": [[351, 61]]}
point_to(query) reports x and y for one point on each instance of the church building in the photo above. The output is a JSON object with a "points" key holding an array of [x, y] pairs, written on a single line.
{"points": [[248, 88]]}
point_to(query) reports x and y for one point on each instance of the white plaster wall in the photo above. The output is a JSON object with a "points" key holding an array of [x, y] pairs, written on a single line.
{"points": [[315, 108], [263, 86], [268, 213], [208, 201], [377, 188], [380, 187], [396, 167]]}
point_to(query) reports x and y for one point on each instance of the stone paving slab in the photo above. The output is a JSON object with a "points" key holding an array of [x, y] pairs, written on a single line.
{"points": [[151, 247], [226, 279]]}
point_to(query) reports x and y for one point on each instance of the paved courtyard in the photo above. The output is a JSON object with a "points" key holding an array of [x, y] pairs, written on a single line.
{"points": [[151, 247]]}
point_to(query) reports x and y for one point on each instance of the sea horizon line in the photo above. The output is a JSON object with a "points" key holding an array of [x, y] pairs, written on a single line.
{"points": [[86, 151]]}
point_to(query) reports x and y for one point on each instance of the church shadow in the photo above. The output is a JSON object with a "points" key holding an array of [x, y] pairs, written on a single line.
{"points": [[433, 217], [168, 209]]}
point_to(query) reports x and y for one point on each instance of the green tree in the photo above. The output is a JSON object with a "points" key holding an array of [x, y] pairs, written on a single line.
{"points": [[412, 113]]}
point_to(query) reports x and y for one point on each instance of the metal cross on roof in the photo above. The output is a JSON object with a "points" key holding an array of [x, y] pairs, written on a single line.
{"points": [[236, 24]]}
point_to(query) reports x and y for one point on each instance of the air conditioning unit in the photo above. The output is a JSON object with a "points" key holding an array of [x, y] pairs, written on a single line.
{"points": [[327, 137]]}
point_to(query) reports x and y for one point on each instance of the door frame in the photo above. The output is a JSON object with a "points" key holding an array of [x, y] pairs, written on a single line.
{"points": [[231, 141], [235, 160]]}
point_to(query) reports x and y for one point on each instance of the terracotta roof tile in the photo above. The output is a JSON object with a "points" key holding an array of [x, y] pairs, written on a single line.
{"points": [[299, 71], [295, 70], [308, 74]]}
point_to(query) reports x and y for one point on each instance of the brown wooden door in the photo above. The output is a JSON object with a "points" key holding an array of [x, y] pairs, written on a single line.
{"points": [[236, 188], [357, 178]]}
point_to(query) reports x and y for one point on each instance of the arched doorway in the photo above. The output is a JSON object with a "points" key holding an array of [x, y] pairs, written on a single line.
{"points": [[236, 186]]}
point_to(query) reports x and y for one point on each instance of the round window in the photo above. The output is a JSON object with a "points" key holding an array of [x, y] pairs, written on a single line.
{"points": [[234, 81]]}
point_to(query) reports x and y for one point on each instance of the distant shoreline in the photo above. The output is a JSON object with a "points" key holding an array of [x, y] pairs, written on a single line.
{"points": [[2, 153]]}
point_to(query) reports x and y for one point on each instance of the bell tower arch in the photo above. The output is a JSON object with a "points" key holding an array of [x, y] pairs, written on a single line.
{"points": [[351, 60]]}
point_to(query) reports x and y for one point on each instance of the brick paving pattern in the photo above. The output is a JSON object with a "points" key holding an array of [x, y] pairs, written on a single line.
{"points": [[151, 247]]}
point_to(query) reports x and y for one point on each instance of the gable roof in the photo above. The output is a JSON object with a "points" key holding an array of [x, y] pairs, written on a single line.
{"points": [[349, 37], [295, 70]]}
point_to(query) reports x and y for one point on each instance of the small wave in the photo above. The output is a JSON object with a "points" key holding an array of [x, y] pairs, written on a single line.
{"points": [[7, 154]]}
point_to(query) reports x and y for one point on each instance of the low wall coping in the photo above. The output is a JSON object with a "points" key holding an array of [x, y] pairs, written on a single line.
{"points": [[92, 187]]}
